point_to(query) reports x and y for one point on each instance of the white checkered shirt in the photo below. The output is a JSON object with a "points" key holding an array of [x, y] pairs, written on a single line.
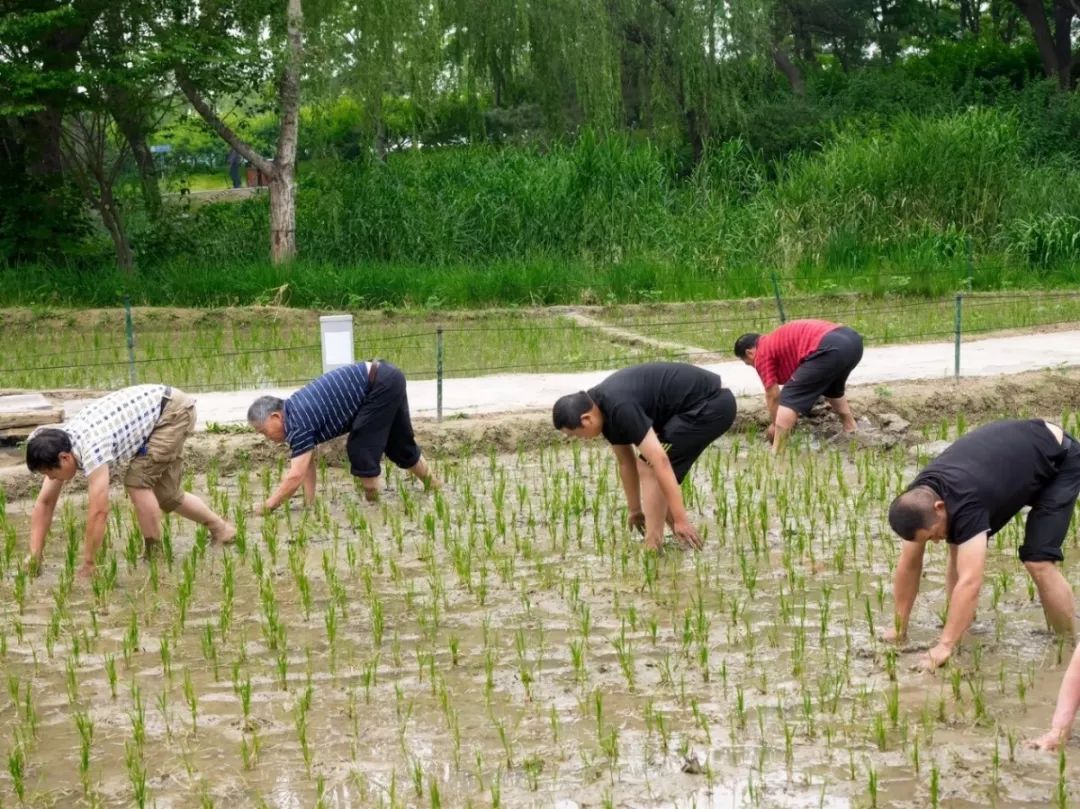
{"points": [[114, 428]]}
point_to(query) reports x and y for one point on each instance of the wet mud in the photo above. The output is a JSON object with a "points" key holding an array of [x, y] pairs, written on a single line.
{"points": [[506, 642]]}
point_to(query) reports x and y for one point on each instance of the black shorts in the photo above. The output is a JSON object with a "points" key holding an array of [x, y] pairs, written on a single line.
{"points": [[686, 435], [382, 425], [824, 372], [1048, 520]]}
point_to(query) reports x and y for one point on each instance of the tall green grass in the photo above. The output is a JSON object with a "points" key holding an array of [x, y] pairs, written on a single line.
{"points": [[913, 205]]}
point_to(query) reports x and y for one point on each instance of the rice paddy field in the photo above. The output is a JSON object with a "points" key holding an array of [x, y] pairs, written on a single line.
{"points": [[225, 349], [505, 642]]}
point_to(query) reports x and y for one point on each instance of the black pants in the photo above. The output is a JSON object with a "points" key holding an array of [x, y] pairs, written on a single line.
{"points": [[824, 372], [382, 425], [1048, 520], [686, 435]]}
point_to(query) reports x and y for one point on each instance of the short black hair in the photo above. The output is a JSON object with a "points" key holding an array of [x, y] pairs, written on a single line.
{"points": [[569, 409], [912, 511], [44, 448], [745, 343]]}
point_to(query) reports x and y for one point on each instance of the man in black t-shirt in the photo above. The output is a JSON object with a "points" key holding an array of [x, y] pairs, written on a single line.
{"points": [[670, 412], [971, 491]]}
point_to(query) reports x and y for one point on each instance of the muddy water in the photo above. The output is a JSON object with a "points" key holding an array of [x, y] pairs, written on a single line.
{"points": [[506, 643]]}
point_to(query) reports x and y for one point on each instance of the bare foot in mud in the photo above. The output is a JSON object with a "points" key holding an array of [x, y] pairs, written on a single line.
{"points": [[151, 548]]}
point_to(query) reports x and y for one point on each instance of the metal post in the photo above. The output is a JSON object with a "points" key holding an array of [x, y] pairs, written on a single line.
{"points": [[129, 327], [779, 300], [438, 372], [959, 320]]}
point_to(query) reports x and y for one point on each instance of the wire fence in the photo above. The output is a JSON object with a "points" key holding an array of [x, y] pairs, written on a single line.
{"points": [[224, 356]]}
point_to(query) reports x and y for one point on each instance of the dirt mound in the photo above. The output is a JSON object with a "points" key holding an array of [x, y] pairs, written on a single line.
{"points": [[897, 413]]}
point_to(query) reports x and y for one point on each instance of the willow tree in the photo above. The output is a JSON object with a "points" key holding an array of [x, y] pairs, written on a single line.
{"points": [[654, 65], [370, 51], [232, 49]]}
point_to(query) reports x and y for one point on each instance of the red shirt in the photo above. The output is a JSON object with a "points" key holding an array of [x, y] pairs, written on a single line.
{"points": [[780, 352]]}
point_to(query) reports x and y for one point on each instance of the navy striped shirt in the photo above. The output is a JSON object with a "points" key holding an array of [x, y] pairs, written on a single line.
{"points": [[325, 408]]}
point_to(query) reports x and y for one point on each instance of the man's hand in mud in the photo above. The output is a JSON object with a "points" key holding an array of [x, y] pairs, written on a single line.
{"points": [[687, 534], [635, 521]]}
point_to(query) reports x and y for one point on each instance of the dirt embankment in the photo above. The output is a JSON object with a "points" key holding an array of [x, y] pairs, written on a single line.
{"points": [[1043, 394]]}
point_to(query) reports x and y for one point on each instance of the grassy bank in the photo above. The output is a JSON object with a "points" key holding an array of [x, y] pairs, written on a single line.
{"points": [[263, 346], [920, 205]]}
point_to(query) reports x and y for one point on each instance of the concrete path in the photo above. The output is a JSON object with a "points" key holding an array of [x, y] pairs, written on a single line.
{"points": [[504, 393]]}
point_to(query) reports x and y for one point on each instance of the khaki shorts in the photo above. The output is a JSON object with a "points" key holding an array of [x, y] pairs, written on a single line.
{"points": [[161, 468]]}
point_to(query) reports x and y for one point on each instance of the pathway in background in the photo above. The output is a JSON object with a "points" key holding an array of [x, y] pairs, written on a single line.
{"points": [[521, 392]]}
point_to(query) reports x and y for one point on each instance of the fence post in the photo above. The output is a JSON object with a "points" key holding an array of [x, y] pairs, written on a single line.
{"points": [[438, 372], [959, 321], [779, 300], [129, 327]]}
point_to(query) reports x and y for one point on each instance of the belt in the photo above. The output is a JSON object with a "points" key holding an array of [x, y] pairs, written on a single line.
{"points": [[373, 372]]}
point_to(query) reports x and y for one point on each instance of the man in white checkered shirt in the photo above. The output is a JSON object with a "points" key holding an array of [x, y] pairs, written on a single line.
{"points": [[144, 426]]}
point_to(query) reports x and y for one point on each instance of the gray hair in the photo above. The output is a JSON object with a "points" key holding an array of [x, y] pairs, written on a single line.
{"points": [[264, 407]]}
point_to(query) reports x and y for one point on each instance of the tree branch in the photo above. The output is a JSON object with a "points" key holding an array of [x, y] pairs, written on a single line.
{"points": [[224, 131]]}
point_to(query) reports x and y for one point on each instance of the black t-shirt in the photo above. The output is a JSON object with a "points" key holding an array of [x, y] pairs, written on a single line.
{"points": [[988, 475], [642, 396]]}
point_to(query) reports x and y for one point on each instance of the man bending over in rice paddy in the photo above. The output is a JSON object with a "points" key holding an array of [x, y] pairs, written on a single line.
{"points": [[146, 425], [367, 402], [659, 417], [799, 362], [970, 492]]}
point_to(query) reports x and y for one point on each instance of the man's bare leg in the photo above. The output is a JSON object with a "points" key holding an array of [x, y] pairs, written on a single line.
{"points": [[192, 508], [843, 410], [422, 472], [1056, 596], [371, 486], [784, 424], [148, 516]]}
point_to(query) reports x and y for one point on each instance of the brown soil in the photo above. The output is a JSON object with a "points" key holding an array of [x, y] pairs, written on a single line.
{"points": [[924, 404]]}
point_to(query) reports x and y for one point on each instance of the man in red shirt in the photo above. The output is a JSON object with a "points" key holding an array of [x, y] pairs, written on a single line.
{"points": [[809, 358]]}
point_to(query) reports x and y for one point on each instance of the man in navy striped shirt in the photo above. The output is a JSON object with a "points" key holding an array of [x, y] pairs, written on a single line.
{"points": [[365, 401]]}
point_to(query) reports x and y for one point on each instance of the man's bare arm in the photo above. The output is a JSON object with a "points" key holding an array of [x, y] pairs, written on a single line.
{"points": [[97, 516], [772, 401], [296, 476], [1068, 702], [970, 566], [658, 460], [628, 476], [309, 484], [41, 517], [906, 586]]}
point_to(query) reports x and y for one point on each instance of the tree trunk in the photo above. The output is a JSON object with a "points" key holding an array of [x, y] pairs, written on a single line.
{"points": [[1035, 13], [281, 171], [283, 180], [123, 111], [283, 216], [110, 217], [791, 71], [1063, 17], [695, 131]]}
